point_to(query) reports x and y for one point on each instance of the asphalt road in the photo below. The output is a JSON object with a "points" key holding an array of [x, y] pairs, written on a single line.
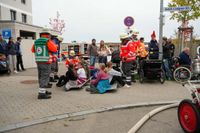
{"points": [[110, 122]]}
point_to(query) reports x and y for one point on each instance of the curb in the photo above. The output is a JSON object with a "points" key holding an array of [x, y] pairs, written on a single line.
{"points": [[81, 113]]}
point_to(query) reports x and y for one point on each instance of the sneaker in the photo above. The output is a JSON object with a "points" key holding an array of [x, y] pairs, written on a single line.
{"points": [[48, 93], [43, 96], [127, 86], [56, 77], [15, 71], [52, 79]]}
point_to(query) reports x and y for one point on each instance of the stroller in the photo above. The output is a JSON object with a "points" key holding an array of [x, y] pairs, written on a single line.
{"points": [[151, 69], [4, 66]]}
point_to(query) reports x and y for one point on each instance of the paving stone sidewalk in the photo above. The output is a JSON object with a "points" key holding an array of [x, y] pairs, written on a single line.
{"points": [[18, 101]]}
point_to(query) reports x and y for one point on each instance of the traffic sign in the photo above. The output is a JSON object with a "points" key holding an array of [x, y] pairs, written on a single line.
{"points": [[180, 8], [6, 33], [129, 21]]}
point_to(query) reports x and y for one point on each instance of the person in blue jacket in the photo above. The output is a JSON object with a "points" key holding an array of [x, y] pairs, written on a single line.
{"points": [[3, 45], [153, 47], [185, 57]]}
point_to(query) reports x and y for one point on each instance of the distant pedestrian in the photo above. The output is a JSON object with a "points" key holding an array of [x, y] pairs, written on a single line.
{"points": [[92, 52], [103, 53], [3, 45], [172, 47], [11, 55], [19, 54], [167, 58]]}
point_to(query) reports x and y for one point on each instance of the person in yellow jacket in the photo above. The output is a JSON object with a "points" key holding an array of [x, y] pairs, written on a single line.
{"points": [[141, 50]]}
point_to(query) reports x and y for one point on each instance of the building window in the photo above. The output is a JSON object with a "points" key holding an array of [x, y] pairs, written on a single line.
{"points": [[23, 1], [24, 18], [13, 15]]}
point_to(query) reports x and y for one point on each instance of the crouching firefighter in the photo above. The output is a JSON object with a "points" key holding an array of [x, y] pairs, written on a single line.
{"points": [[128, 55], [43, 49]]}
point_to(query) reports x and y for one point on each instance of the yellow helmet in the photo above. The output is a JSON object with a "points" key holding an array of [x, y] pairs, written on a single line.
{"points": [[124, 36], [72, 53], [60, 38]]}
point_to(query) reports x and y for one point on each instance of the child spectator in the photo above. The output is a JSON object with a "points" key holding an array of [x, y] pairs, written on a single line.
{"points": [[101, 83], [82, 76], [69, 76], [114, 76]]}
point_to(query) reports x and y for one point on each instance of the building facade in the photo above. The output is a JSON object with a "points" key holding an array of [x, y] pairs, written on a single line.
{"points": [[16, 21], [16, 10]]}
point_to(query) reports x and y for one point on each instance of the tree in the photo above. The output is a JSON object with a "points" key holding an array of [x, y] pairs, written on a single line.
{"points": [[185, 16]]}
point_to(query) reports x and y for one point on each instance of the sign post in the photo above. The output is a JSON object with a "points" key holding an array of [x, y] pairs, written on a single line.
{"points": [[6, 33], [129, 21], [180, 8]]}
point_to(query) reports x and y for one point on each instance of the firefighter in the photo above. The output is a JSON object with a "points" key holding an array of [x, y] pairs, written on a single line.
{"points": [[54, 67], [43, 49], [135, 43], [72, 59], [141, 50], [128, 55]]}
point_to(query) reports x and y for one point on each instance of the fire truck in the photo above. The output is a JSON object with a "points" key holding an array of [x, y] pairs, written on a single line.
{"points": [[81, 48]]}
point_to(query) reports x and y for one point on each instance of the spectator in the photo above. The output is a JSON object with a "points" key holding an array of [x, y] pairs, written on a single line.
{"points": [[70, 76], [153, 47], [81, 74], [11, 55], [167, 58], [19, 54], [110, 51], [92, 52], [101, 83], [103, 53], [184, 57], [114, 76], [172, 47], [3, 46]]}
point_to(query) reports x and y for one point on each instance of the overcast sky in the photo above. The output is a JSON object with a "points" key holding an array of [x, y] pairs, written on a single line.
{"points": [[103, 19]]}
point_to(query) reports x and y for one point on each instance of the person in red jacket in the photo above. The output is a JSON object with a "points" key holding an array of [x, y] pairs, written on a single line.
{"points": [[43, 49], [72, 59], [128, 55]]}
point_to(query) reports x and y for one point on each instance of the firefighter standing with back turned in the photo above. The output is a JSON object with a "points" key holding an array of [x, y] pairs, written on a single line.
{"points": [[43, 49], [128, 55]]}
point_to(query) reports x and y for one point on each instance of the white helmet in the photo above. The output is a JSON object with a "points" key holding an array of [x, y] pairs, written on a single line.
{"points": [[45, 31], [134, 32], [72, 53], [60, 38], [124, 36]]}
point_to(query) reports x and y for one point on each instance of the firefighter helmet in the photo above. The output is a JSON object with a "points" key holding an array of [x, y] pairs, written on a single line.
{"points": [[124, 36], [134, 32], [60, 38], [45, 31], [72, 53]]}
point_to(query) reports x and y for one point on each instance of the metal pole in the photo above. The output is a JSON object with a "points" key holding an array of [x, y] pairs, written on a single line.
{"points": [[161, 29]]}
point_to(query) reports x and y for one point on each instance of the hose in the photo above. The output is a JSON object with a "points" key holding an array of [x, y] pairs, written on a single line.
{"points": [[140, 123]]}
